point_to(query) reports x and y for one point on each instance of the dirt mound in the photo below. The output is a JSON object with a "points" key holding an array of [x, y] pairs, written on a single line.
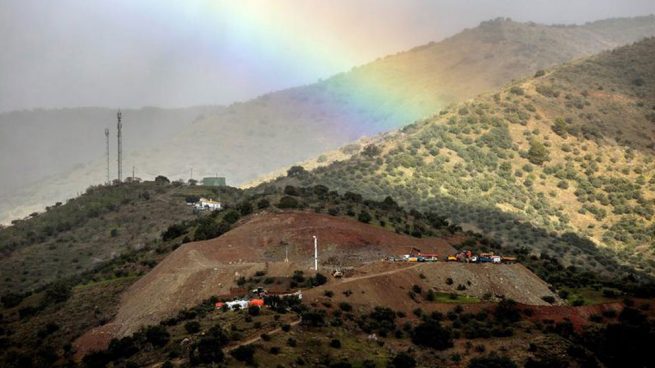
{"points": [[389, 284], [196, 271]]}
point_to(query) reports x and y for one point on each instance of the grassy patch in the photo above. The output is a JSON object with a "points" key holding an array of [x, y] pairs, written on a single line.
{"points": [[440, 297]]}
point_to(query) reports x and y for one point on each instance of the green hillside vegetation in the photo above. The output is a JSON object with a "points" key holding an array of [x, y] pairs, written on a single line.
{"points": [[250, 138], [560, 164], [77, 236]]}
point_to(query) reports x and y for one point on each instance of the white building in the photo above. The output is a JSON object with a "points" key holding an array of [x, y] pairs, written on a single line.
{"points": [[208, 204]]}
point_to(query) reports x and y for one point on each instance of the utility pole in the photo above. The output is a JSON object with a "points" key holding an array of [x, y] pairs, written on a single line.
{"points": [[315, 253], [107, 141], [119, 127], [132, 173]]}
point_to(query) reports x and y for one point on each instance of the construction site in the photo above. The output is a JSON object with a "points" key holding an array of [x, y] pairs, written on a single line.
{"points": [[362, 264]]}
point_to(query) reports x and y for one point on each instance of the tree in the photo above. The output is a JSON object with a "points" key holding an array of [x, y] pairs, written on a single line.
{"points": [[371, 150], [319, 279], [296, 172], [263, 203], [364, 217], [157, 335], [538, 153], [507, 311], [244, 353], [192, 199], [431, 334], [209, 350], [491, 361], [288, 202], [57, 293], [559, 127], [403, 360], [161, 179]]}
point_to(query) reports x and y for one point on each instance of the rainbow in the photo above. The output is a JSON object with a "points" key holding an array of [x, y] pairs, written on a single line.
{"points": [[251, 31]]}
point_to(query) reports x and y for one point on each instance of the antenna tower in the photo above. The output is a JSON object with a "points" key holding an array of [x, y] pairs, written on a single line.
{"points": [[107, 141], [119, 126]]}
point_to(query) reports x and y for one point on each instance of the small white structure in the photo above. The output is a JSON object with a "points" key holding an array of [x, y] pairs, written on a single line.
{"points": [[241, 304], [208, 204]]}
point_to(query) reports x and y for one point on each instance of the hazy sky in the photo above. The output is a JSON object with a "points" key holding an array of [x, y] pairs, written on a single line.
{"points": [[130, 53]]}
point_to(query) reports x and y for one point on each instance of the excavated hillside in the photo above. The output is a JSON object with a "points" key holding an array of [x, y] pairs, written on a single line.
{"points": [[560, 164], [199, 270], [254, 137]]}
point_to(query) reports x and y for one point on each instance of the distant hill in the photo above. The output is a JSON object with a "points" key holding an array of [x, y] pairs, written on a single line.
{"points": [[254, 137], [36, 145], [561, 164]]}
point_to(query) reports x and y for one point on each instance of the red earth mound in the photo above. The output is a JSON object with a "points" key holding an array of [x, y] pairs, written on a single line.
{"points": [[196, 271]]}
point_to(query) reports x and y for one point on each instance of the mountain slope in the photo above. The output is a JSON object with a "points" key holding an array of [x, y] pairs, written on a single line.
{"points": [[560, 163], [274, 130], [254, 137]]}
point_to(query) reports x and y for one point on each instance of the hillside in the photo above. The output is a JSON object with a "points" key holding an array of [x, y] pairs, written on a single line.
{"points": [[84, 233], [37, 146], [254, 137], [560, 164], [174, 279]]}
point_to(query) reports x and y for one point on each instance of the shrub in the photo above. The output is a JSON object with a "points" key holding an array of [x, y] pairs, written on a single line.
{"points": [[11, 300], [263, 203], [161, 179], [57, 293], [548, 299], [335, 343], [517, 91], [244, 353], [313, 318], [288, 202], [192, 327], [538, 153], [253, 310]]}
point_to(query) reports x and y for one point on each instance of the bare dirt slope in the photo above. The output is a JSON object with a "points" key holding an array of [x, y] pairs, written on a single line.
{"points": [[196, 271], [388, 284]]}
